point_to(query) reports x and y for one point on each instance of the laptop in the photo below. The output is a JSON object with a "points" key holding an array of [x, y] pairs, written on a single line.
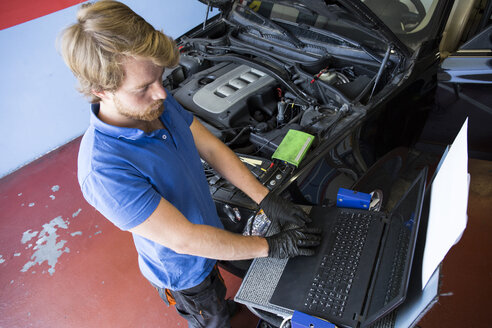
{"points": [[361, 269]]}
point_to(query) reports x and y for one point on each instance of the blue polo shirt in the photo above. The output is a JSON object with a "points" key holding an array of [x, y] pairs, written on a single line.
{"points": [[124, 172]]}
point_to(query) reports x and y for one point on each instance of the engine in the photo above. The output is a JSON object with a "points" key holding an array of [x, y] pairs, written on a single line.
{"points": [[241, 105], [249, 87], [222, 93]]}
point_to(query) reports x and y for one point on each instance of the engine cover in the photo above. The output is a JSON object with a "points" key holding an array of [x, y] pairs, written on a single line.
{"points": [[220, 94]]}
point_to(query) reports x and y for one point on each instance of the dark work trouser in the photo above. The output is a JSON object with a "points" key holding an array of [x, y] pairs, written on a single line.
{"points": [[204, 305]]}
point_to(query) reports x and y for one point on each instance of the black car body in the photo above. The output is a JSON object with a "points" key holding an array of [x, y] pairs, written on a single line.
{"points": [[357, 75], [472, 63]]}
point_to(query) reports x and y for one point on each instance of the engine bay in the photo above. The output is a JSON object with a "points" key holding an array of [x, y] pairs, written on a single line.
{"points": [[250, 76], [251, 81]]}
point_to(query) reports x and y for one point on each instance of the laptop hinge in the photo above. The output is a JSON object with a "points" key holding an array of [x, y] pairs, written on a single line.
{"points": [[358, 318], [367, 300]]}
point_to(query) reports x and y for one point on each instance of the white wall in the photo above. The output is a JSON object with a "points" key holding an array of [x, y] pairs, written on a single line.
{"points": [[40, 107]]}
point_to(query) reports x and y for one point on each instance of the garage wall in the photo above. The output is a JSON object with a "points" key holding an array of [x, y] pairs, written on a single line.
{"points": [[40, 108]]}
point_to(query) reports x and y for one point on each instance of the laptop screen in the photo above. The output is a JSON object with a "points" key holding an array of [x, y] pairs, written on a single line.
{"points": [[391, 283]]}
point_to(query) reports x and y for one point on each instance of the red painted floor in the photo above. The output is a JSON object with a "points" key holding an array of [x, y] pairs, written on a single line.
{"points": [[63, 265], [466, 284]]}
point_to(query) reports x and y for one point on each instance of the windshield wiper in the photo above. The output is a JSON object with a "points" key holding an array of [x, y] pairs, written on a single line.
{"points": [[298, 43]]}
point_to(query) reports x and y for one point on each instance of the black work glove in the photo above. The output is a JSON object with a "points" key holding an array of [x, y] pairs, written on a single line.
{"points": [[281, 210], [293, 242]]}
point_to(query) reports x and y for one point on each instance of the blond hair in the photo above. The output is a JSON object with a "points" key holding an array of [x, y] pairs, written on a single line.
{"points": [[105, 33]]}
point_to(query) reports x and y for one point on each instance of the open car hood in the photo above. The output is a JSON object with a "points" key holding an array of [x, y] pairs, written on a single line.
{"points": [[352, 11], [357, 11], [406, 24]]}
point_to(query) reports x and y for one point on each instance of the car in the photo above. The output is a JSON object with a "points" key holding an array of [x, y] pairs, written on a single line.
{"points": [[472, 63], [352, 79]]}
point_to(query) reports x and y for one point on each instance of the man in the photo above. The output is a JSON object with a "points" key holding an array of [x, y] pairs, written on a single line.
{"points": [[139, 165]]}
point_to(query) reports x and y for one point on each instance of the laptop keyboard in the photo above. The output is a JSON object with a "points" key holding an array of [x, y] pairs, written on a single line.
{"points": [[398, 266], [333, 280]]}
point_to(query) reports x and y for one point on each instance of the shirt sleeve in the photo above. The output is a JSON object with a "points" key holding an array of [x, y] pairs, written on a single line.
{"points": [[123, 197]]}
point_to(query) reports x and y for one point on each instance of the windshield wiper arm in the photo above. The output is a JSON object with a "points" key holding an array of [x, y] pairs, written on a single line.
{"points": [[298, 43]]}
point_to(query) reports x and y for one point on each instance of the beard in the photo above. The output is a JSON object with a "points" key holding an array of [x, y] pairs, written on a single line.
{"points": [[149, 114]]}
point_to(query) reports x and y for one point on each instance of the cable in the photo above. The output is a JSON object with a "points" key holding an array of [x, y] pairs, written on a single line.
{"points": [[285, 321], [232, 129], [266, 143], [237, 136]]}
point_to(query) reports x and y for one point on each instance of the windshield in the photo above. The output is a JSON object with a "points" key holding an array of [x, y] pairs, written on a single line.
{"points": [[412, 21]]}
